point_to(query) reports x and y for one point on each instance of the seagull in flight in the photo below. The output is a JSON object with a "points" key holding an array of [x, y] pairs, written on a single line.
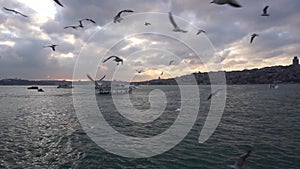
{"points": [[200, 31], [57, 1], [140, 71], [51, 46], [118, 17], [171, 61], [116, 59], [241, 161], [14, 11], [176, 28], [233, 3], [252, 37], [147, 24], [215, 93], [96, 83], [265, 11]]}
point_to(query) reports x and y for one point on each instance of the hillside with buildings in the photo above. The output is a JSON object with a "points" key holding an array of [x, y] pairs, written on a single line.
{"points": [[266, 75]]}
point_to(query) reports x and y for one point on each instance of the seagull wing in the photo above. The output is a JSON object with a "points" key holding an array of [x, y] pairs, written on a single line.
{"points": [[172, 20], [91, 79], [252, 38], [57, 1], [126, 10], [265, 10], [102, 78], [22, 14], [209, 97], [234, 3], [11, 10], [242, 159], [91, 20], [109, 58]]}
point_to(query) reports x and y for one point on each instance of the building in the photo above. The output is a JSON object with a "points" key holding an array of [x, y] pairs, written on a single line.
{"points": [[295, 61]]}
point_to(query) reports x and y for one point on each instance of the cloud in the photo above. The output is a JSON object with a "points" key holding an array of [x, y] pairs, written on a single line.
{"points": [[227, 30]]}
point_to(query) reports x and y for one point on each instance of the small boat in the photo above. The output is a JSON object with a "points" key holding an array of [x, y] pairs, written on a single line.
{"points": [[33, 87], [40, 90]]}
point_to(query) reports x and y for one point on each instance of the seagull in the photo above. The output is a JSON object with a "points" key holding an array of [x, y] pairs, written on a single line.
{"points": [[118, 17], [253, 36], [87, 19], [51, 46], [147, 24], [57, 1], [117, 59], [171, 61], [215, 93], [14, 11], [162, 73], [233, 3], [74, 27], [96, 83], [200, 31], [265, 11], [176, 28], [140, 71], [241, 161]]}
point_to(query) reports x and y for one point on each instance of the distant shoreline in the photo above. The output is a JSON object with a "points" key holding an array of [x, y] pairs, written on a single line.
{"points": [[267, 75]]}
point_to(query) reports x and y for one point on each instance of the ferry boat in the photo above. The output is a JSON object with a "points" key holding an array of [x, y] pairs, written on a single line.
{"points": [[106, 88]]}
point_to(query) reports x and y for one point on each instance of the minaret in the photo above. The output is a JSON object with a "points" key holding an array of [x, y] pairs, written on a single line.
{"points": [[295, 61]]}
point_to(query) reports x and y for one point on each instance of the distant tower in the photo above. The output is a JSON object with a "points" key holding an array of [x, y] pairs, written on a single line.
{"points": [[295, 61]]}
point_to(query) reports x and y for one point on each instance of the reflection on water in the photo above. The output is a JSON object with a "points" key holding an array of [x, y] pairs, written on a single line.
{"points": [[41, 130]]}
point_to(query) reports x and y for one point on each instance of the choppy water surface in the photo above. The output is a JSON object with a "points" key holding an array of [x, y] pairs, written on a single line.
{"points": [[41, 130]]}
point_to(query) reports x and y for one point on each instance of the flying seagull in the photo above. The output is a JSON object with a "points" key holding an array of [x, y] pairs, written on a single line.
{"points": [[117, 59], [241, 161], [176, 28], [96, 83], [57, 1], [140, 71], [265, 11], [118, 17], [233, 3], [74, 27], [215, 93], [51, 46], [200, 31], [14, 11], [171, 61], [147, 24], [253, 36]]}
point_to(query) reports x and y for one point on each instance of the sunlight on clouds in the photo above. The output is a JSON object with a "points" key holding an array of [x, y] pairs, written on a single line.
{"points": [[68, 55], [44, 8], [7, 43], [69, 38]]}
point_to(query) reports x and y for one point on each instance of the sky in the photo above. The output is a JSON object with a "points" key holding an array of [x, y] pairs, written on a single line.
{"points": [[224, 46]]}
